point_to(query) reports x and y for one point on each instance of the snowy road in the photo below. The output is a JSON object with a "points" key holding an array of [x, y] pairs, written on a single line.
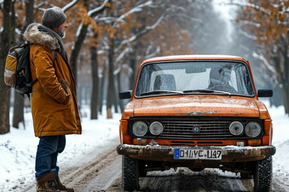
{"points": [[96, 174], [103, 173], [181, 180], [90, 162], [99, 168]]}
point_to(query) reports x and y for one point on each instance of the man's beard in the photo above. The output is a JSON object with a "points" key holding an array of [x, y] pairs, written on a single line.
{"points": [[61, 33]]}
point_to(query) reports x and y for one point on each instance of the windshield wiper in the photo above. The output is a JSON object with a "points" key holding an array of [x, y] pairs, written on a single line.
{"points": [[199, 91], [207, 91], [155, 92], [160, 92], [222, 92]]}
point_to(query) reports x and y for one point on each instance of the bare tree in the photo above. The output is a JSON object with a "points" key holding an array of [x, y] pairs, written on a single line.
{"points": [[80, 36], [95, 80], [121, 46], [6, 39], [266, 22]]}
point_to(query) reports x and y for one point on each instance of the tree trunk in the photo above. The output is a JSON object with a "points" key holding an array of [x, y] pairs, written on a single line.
{"points": [[101, 91], [277, 99], [284, 72], [132, 61], [18, 112], [285, 92], [121, 104], [95, 81], [4, 108], [76, 50], [285, 80], [110, 89], [116, 91], [29, 4], [6, 39]]}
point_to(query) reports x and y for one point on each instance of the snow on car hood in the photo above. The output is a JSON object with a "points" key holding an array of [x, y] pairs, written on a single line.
{"points": [[195, 106]]}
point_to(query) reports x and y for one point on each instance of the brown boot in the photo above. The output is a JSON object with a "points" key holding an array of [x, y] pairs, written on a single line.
{"points": [[61, 187], [47, 183]]}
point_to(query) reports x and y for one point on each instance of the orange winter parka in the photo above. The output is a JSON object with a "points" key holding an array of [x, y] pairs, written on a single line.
{"points": [[53, 99]]}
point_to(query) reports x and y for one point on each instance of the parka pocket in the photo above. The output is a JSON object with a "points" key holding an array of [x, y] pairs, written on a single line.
{"points": [[66, 86]]}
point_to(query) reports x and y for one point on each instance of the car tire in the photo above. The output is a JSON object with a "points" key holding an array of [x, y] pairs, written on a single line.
{"points": [[263, 175], [196, 169], [130, 174]]}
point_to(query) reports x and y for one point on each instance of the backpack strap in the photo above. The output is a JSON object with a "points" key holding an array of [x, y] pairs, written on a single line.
{"points": [[54, 53]]}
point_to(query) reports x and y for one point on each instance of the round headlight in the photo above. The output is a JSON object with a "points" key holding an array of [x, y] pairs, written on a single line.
{"points": [[139, 128], [236, 128], [156, 128], [253, 129]]}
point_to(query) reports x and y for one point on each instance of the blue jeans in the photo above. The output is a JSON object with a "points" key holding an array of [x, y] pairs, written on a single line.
{"points": [[46, 155]]}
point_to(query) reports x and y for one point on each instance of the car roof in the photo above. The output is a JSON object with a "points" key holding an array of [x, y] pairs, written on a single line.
{"points": [[194, 57]]}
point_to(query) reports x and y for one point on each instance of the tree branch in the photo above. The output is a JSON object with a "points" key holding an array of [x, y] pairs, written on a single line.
{"points": [[266, 63], [69, 5], [139, 34], [97, 10], [134, 10], [258, 8]]}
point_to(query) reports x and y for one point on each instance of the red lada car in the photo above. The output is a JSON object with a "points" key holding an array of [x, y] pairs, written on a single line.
{"points": [[196, 112]]}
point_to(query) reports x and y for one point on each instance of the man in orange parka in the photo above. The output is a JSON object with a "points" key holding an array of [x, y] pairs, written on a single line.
{"points": [[53, 99]]}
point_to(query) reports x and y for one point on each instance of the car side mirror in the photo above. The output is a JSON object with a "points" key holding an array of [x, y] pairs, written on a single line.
{"points": [[125, 95], [265, 93]]}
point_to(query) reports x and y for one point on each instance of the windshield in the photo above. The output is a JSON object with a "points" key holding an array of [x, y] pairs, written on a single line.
{"points": [[194, 77]]}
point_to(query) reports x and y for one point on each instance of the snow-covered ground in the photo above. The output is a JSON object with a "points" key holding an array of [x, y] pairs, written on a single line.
{"points": [[18, 148]]}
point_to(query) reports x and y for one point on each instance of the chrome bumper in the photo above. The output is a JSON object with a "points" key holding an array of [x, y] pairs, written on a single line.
{"points": [[166, 153]]}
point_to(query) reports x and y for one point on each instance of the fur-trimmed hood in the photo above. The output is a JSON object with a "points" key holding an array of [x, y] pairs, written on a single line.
{"points": [[41, 35], [34, 35]]}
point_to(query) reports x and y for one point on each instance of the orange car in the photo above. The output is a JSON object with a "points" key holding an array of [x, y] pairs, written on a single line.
{"points": [[199, 112]]}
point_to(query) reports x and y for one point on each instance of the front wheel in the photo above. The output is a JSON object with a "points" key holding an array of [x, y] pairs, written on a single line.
{"points": [[130, 174], [263, 175]]}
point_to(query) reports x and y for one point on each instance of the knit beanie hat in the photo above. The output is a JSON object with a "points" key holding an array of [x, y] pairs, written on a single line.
{"points": [[53, 17]]}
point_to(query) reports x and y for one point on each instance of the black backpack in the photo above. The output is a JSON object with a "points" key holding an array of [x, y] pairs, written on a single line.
{"points": [[17, 72]]}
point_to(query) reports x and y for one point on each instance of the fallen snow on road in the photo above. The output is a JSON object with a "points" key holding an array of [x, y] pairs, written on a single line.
{"points": [[18, 148]]}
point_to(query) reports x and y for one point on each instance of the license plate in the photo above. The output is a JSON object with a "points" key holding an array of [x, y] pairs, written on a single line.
{"points": [[209, 154]]}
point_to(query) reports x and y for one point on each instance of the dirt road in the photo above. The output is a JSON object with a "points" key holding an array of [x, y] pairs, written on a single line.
{"points": [[103, 173]]}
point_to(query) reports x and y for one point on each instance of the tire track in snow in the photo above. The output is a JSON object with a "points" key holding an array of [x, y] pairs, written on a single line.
{"points": [[79, 176], [105, 178], [280, 182]]}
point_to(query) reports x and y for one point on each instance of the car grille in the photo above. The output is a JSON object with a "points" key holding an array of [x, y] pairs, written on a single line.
{"points": [[184, 129]]}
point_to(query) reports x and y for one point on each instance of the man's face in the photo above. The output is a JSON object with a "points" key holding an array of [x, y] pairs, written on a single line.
{"points": [[61, 29]]}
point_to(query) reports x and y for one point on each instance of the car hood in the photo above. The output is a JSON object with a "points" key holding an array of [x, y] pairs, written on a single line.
{"points": [[194, 106]]}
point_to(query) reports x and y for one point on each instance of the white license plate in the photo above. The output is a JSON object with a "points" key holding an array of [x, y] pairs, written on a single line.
{"points": [[209, 154]]}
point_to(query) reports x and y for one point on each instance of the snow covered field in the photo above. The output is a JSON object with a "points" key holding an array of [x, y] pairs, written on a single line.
{"points": [[18, 148]]}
